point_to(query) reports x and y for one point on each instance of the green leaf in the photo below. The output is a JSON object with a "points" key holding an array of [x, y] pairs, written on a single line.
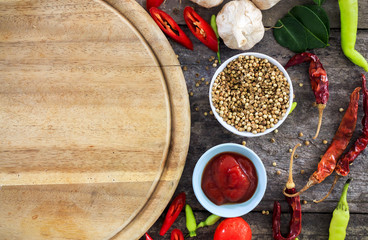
{"points": [[290, 33], [303, 27], [319, 2], [321, 13], [317, 34]]}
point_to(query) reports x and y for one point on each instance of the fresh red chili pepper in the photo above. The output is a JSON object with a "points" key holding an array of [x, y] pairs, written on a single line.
{"points": [[319, 81], [342, 167], [295, 224], [153, 3], [148, 237], [200, 28], [338, 144], [175, 208], [176, 234], [170, 27]]}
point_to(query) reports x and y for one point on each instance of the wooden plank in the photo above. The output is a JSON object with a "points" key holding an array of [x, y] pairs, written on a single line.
{"points": [[175, 9], [343, 76], [72, 197]]}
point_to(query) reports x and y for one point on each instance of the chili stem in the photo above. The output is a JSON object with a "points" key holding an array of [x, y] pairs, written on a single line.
{"points": [[320, 107], [290, 183], [337, 177]]}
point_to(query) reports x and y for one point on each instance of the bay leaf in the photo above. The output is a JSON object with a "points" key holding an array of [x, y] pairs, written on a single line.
{"points": [[317, 34], [321, 13], [290, 33], [303, 21]]}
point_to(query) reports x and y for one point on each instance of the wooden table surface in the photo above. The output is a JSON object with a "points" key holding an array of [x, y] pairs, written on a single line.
{"points": [[206, 132]]}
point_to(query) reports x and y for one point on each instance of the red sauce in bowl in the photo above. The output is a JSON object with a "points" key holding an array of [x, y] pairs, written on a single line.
{"points": [[229, 178]]}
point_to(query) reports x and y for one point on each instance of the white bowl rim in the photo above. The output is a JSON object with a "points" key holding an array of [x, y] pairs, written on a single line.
{"points": [[233, 129], [229, 210]]}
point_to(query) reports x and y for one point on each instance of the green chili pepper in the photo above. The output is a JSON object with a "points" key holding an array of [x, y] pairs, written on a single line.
{"points": [[349, 26], [212, 219], [214, 27], [293, 106], [190, 221], [340, 217]]}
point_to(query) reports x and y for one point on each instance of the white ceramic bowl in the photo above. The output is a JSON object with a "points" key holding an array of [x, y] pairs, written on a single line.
{"points": [[233, 129], [236, 209]]}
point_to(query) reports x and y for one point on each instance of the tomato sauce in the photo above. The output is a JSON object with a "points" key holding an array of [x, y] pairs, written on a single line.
{"points": [[229, 178]]}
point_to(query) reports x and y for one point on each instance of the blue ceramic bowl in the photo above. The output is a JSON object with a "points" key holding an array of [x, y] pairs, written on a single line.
{"points": [[229, 210]]}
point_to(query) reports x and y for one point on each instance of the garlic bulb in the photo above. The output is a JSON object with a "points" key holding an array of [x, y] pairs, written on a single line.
{"points": [[239, 24], [208, 3], [265, 4]]}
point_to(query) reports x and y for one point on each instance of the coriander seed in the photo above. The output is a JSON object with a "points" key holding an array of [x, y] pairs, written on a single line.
{"points": [[251, 93]]}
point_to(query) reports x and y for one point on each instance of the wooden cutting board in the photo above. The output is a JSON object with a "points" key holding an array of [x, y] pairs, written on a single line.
{"points": [[94, 117]]}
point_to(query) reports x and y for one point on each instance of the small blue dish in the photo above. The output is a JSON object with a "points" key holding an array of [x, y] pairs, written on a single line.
{"points": [[236, 209]]}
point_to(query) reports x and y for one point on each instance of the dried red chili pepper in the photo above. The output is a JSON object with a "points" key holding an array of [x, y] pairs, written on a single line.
{"points": [[176, 234], [148, 237], [338, 145], [173, 212], [361, 143], [153, 3], [319, 81], [170, 27], [342, 167], [295, 224], [200, 28]]}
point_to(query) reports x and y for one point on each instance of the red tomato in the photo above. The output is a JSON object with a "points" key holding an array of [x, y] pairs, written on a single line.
{"points": [[233, 229]]}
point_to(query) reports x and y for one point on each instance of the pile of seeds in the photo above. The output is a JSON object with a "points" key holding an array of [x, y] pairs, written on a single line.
{"points": [[251, 94]]}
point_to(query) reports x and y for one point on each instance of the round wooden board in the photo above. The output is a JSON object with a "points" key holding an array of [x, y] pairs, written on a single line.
{"points": [[86, 119]]}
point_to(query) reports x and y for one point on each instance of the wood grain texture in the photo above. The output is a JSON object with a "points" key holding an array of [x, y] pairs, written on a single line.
{"points": [[86, 121], [180, 134]]}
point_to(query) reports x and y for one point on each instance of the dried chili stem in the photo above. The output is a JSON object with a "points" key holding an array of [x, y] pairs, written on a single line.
{"points": [[320, 107], [337, 177], [290, 183]]}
